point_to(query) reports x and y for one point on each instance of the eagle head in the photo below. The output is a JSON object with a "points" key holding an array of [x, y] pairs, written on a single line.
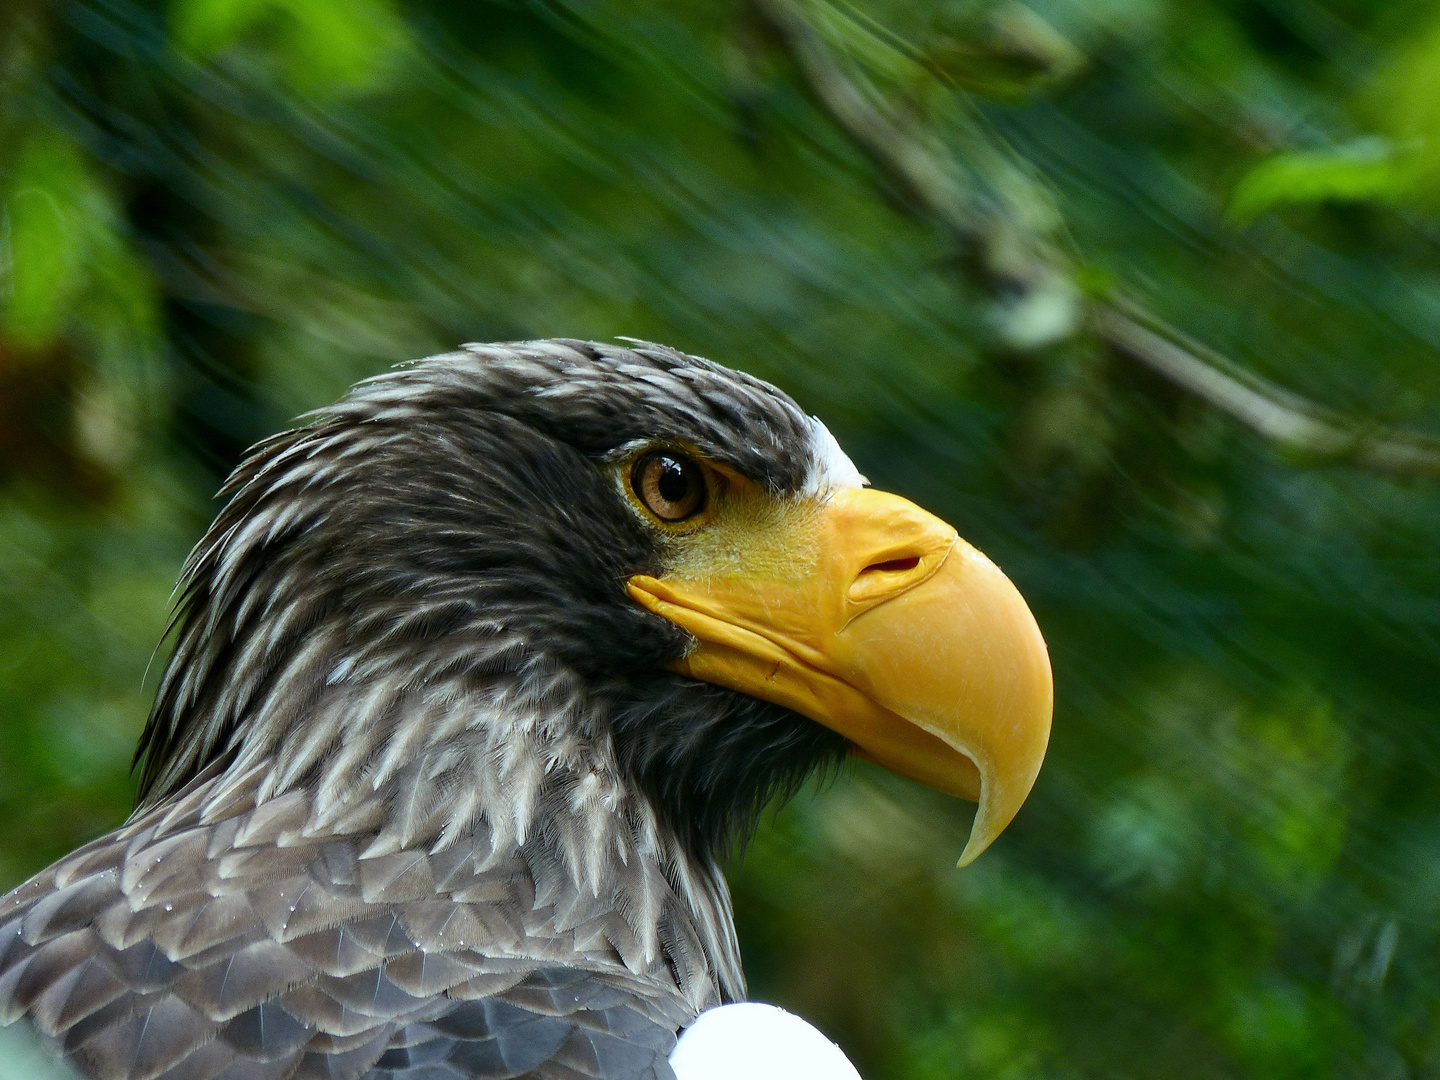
{"points": [[477, 675], [658, 560]]}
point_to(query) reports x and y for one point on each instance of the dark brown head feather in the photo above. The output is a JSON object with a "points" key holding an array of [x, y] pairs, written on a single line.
{"points": [[447, 520], [418, 796]]}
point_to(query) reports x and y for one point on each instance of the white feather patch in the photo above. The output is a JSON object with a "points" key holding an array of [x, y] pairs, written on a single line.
{"points": [[830, 466], [751, 1041]]}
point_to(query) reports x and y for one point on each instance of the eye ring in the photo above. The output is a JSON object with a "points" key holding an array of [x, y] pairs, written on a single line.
{"points": [[670, 485]]}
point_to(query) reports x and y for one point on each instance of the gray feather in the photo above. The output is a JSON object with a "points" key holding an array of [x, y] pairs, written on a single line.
{"points": [[386, 831]]}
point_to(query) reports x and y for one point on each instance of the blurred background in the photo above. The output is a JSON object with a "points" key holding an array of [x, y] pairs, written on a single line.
{"points": [[1142, 295]]}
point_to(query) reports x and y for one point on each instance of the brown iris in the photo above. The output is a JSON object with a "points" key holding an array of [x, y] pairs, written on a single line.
{"points": [[671, 486]]}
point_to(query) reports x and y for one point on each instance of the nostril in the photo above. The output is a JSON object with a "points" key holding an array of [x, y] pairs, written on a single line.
{"points": [[887, 577], [893, 566]]}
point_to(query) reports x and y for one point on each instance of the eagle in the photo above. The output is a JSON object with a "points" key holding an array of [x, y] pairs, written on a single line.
{"points": [[478, 678]]}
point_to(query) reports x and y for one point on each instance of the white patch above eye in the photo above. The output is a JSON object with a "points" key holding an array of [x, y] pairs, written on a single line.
{"points": [[830, 467]]}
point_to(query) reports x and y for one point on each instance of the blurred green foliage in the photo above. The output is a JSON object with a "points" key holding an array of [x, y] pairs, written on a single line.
{"points": [[322, 48], [219, 213], [1366, 170]]}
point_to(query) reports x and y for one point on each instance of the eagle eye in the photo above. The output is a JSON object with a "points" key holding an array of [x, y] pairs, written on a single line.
{"points": [[671, 486]]}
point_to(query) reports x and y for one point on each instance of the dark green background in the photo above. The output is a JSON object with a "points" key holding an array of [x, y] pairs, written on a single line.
{"points": [[219, 213]]}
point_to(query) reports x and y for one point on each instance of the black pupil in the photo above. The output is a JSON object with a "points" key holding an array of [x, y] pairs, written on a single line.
{"points": [[673, 485]]}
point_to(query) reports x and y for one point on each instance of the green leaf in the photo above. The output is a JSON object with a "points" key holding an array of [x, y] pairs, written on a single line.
{"points": [[1404, 101], [47, 207], [323, 48], [1368, 170], [1405, 93], [206, 27]]}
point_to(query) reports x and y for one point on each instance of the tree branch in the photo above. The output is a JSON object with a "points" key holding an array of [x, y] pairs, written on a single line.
{"points": [[1269, 410], [919, 165]]}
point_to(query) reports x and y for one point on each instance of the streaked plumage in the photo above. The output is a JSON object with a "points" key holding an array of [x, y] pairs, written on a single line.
{"points": [[417, 796], [436, 785]]}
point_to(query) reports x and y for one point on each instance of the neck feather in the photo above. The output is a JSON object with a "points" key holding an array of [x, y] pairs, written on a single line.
{"points": [[518, 770]]}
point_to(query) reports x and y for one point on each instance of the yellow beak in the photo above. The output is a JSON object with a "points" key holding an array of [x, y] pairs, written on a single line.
{"points": [[891, 630]]}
